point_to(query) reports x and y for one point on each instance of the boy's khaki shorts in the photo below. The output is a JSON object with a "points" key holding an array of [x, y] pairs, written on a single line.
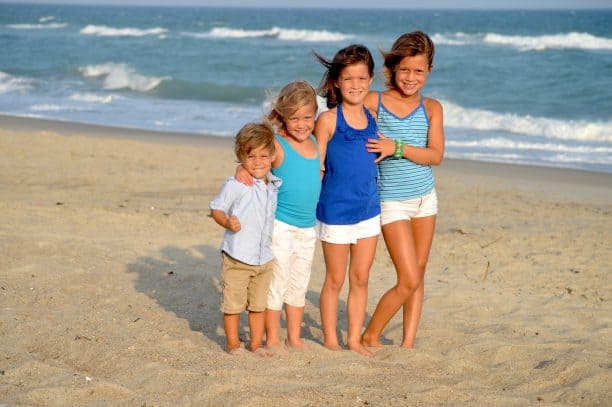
{"points": [[244, 286]]}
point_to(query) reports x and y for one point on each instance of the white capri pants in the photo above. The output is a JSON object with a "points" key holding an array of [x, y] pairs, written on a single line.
{"points": [[293, 249]]}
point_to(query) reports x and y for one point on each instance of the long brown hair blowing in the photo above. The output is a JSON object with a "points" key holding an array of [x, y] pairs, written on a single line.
{"points": [[350, 55], [407, 45]]}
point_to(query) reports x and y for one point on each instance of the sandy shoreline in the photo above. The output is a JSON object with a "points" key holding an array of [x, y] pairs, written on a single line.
{"points": [[109, 285]]}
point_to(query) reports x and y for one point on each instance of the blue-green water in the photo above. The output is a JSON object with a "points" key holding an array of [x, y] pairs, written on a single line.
{"points": [[529, 87]]}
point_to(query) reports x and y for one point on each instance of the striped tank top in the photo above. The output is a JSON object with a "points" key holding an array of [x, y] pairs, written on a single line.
{"points": [[402, 179]]}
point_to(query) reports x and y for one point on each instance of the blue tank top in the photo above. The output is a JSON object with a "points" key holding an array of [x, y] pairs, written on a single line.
{"points": [[299, 193], [349, 193], [404, 179]]}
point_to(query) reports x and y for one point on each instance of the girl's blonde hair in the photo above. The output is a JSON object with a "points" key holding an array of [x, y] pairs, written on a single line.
{"points": [[290, 99]]}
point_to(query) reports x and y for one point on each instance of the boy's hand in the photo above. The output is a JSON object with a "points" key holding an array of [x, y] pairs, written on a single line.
{"points": [[243, 176], [233, 224]]}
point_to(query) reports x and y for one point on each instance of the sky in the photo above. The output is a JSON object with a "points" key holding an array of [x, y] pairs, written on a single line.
{"points": [[398, 4]]}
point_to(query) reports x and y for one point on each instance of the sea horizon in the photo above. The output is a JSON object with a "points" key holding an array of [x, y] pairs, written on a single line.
{"points": [[512, 83]]}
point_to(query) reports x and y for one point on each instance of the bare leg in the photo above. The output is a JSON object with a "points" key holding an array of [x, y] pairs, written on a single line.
{"points": [[295, 316], [272, 328], [256, 325], [362, 256], [336, 258], [423, 232], [231, 324], [400, 244]]}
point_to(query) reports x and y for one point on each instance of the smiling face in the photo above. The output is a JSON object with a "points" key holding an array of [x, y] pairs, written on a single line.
{"points": [[354, 82], [301, 123], [410, 74], [258, 162]]}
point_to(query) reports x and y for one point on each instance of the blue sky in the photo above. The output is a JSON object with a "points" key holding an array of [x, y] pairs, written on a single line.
{"points": [[482, 4]]}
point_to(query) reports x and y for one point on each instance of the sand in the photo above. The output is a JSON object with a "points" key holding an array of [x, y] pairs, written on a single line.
{"points": [[109, 285]]}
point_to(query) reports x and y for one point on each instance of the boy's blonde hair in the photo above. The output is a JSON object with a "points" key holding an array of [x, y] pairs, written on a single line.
{"points": [[290, 99], [252, 136]]}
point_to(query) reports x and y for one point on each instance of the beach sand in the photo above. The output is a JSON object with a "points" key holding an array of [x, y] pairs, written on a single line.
{"points": [[109, 285]]}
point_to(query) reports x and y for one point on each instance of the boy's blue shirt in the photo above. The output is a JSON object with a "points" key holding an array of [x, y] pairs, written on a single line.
{"points": [[255, 207]]}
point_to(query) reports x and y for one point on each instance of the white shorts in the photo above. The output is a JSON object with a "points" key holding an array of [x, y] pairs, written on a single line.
{"points": [[392, 211], [348, 234], [293, 249]]}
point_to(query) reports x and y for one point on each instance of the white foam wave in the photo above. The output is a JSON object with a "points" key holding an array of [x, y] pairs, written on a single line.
{"points": [[93, 98], [10, 83], [574, 40], [460, 117], [283, 34], [502, 143], [455, 39], [46, 18], [46, 108], [105, 31], [122, 76], [37, 26]]}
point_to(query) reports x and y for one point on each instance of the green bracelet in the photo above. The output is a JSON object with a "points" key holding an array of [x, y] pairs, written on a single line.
{"points": [[399, 149]]}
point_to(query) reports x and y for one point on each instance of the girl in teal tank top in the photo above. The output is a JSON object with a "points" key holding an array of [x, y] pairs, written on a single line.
{"points": [[297, 163]]}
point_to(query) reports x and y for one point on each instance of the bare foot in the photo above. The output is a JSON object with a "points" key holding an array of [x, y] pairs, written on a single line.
{"points": [[236, 350], [262, 352], [296, 345], [276, 349], [407, 345], [360, 349], [332, 345], [369, 342]]}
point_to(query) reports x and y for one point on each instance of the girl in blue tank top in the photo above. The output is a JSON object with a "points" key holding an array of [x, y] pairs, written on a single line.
{"points": [[411, 141], [348, 212]]}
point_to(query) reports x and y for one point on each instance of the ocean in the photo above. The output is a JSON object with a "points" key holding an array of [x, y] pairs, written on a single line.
{"points": [[525, 87]]}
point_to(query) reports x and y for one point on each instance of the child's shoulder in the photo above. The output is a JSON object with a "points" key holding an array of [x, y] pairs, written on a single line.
{"points": [[431, 104], [328, 115], [231, 184]]}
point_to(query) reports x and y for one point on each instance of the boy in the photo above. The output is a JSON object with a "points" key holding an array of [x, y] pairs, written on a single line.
{"points": [[247, 214]]}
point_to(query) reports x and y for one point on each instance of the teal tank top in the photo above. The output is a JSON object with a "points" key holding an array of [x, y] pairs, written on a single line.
{"points": [[299, 193], [402, 179]]}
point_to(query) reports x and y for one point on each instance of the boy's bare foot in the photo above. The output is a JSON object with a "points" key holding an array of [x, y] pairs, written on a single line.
{"points": [[360, 349], [369, 342], [296, 345]]}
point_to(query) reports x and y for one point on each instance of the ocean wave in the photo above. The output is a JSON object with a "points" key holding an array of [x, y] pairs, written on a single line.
{"points": [[466, 118], [49, 26], [556, 41], [283, 34], [587, 161], [122, 76], [571, 40], [10, 83], [105, 31], [46, 18], [503, 143], [93, 98]]}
